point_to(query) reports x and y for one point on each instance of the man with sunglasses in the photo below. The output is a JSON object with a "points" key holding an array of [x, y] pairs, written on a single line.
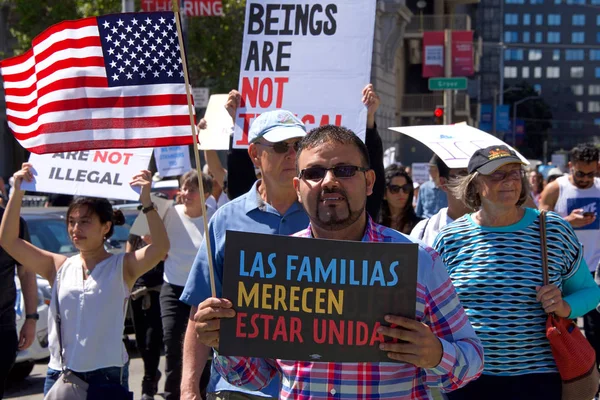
{"points": [[439, 348], [427, 229], [576, 198]]}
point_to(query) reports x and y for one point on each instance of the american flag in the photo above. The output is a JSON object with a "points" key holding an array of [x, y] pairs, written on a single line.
{"points": [[103, 82]]}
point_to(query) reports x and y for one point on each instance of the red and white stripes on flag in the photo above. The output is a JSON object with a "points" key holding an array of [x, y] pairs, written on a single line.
{"points": [[101, 82]]}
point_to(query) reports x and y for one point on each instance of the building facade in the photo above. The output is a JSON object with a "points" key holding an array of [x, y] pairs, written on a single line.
{"points": [[554, 45]]}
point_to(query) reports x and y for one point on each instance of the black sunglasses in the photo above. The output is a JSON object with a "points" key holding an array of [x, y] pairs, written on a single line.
{"points": [[340, 171], [282, 147], [580, 175], [394, 189]]}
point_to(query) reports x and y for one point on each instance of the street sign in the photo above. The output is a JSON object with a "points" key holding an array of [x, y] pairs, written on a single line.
{"points": [[447, 83]]}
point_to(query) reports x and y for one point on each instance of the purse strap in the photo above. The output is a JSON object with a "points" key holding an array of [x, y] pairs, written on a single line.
{"points": [[57, 321], [543, 242]]}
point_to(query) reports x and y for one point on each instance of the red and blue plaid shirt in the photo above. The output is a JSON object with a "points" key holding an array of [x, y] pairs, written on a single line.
{"points": [[437, 306]]}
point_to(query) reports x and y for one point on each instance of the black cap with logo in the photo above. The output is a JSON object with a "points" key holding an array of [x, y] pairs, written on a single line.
{"points": [[485, 161]]}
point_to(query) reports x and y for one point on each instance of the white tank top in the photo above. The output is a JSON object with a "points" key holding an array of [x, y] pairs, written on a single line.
{"points": [[93, 314], [571, 198]]}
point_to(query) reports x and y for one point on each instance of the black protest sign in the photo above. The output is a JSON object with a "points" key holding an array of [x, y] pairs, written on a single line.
{"points": [[314, 300]]}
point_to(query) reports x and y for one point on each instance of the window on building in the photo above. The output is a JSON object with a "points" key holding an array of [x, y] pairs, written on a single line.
{"points": [[552, 72], [574, 54], [538, 37], [597, 72], [511, 19], [594, 90], [515, 1], [510, 72], [537, 1], [526, 37], [554, 19], [535, 55], [576, 124], [577, 90], [538, 88], [525, 72], [578, 2], [555, 55], [539, 19], [578, 19], [598, 19], [594, 106], [576, 72], [596, 2], [511, 37], [579, 106], [537, 72], [553, 37], [577, 37], [597, 121], [594, 55], [598, 37], [513, 55], [526, 19]]}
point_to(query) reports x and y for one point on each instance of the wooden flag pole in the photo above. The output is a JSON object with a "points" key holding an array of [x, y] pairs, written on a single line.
{"points": [[196, 153]]}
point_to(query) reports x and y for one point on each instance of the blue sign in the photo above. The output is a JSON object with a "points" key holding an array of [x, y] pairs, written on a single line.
{"points": [[485, 119]]}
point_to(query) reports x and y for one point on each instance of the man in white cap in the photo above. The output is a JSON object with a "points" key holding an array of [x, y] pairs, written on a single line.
{"points": [[269, 207]]}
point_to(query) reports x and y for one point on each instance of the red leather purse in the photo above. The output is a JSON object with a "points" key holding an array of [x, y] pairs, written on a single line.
{"points": [[575, 357]]}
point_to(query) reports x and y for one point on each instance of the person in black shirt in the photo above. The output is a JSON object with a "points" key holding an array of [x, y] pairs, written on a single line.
{"points": [[10, 343]]}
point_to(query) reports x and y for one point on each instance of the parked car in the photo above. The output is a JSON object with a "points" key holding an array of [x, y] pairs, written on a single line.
{"points": [[170, 187]]}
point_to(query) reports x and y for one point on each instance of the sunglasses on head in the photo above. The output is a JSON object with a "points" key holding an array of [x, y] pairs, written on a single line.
{"points": [[282, 147], [394, 189], [340, 171], [580, 175], [515, 174]]}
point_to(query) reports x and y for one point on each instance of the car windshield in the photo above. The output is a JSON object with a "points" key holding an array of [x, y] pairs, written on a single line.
{"points": [[51, 235], [121, 232]]}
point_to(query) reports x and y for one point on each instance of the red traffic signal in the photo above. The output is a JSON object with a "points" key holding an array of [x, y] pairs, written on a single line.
{"points": [[439, 112]]}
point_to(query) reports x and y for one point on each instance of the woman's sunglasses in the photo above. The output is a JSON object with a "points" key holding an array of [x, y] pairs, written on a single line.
{"points": [[395, 189], [340, 171], [282, 147]]}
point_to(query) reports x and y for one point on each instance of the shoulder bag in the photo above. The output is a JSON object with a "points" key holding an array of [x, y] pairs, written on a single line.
{"points": [[574, 356]]}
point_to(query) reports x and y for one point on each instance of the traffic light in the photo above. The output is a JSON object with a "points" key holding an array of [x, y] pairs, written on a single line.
{"points": [[438, 114]]}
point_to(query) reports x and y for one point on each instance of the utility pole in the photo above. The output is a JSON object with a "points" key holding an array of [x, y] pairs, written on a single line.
{"points": [[514, 121], [494, 112], [448, 98]]}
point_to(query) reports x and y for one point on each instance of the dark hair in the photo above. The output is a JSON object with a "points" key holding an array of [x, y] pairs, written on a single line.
{"points": [[331, 133], [191, 178], [99, 207], [409, 218], [539, 183], [586, 153], [441, 166]]}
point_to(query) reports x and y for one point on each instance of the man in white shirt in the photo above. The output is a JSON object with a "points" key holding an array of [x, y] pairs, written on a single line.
{"points": [[427, 229], [576, 198]]}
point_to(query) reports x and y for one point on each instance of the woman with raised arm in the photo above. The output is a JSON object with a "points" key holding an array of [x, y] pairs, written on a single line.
{"points": [[92, 287]]}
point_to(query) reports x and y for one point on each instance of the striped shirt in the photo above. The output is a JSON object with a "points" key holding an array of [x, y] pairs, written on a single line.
{"points": [[495, 271], [437, 305]]}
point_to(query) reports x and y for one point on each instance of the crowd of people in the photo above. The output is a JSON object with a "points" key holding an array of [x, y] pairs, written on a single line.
{"points": [[481, 306]]}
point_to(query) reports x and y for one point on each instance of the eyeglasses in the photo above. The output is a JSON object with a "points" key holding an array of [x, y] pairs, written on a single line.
{"points": [[394, 189], [282, 147], [580, 175], [498, 176], [340, 171]]}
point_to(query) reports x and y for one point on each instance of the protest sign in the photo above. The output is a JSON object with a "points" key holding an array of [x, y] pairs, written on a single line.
{"points": [[97, 173], [218, 125], [307, 57], [193, 8], [173, 160], [140, 224], [314, 300], [420, 172], [455, 144]]}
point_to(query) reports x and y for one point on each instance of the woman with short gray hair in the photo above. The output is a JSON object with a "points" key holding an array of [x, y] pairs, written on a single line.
{"points": [[495, 262]]}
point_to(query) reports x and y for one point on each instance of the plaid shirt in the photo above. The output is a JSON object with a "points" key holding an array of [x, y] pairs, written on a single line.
{"points": [[437, 306]]}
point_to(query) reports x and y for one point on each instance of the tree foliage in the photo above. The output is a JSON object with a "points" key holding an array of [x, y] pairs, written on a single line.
{"points": [[537, 115]]}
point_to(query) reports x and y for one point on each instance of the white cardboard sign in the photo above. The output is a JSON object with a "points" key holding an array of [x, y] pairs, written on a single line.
{"points": [[140, 224], [309, 57], [218, 125], [455, 144], [172, 160], [97, 173]]}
